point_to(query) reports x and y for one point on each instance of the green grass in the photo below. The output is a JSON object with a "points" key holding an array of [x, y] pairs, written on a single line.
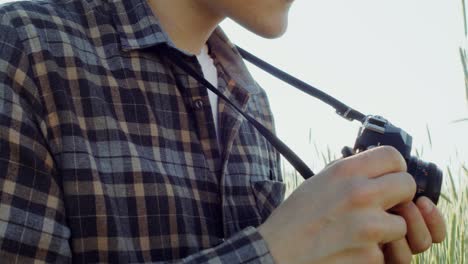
{"points": [[462, 50], [453, 204]]}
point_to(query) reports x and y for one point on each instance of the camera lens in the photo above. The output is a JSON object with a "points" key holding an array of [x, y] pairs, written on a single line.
{"points": [[428, 178]]}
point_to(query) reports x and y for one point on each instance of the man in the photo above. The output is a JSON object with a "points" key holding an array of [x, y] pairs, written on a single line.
{"points": [[111, 153]]}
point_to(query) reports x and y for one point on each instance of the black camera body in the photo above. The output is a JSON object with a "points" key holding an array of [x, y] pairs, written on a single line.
{"points": [[377, 131]]}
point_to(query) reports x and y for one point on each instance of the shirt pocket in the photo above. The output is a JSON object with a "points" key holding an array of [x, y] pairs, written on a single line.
{"points": [[268, 195]]}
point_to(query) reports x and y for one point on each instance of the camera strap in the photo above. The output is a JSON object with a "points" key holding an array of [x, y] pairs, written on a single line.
{"points": [[279, 145], [341, 109]]}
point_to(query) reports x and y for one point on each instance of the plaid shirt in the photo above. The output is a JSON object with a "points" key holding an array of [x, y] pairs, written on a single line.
{"points": [[108, 152]]}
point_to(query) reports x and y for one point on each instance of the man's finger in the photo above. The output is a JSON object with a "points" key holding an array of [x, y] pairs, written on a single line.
{"points": [[394, 189], [378, 227], [395, 228], [369, 254], [371, 163], [433, 218], [418, 236], [397, 252]]}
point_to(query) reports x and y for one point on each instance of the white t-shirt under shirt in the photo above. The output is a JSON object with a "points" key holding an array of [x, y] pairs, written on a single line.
{"points": [[211, 74]]}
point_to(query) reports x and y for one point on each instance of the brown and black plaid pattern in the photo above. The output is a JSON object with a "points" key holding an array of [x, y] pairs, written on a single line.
{"points": [[108, 152]]}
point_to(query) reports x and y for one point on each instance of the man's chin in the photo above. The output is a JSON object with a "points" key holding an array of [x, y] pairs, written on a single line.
{"points": [[270, 31]]}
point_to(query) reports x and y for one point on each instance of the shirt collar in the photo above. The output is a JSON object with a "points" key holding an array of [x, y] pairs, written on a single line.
{"points": [[229, 57], [139, 28]]}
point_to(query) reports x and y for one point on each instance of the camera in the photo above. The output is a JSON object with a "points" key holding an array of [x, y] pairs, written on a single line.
{"points": [[377, 131]]}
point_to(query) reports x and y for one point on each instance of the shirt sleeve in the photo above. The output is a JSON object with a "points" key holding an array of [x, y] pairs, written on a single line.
{"points": [[247, 246], [32, 215]]}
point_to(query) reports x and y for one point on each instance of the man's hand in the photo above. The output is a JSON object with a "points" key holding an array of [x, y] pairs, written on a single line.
{"points": [[425, 224], [341, 215]]}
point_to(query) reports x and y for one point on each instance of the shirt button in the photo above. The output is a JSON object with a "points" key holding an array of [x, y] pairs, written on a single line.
{"points": [[198, 104]]}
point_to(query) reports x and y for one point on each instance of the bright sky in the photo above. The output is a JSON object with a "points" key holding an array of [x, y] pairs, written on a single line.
{"points": [[398, 59]]}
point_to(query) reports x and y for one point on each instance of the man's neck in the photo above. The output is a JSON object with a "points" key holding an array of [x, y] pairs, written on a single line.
{"points": [[188, 23]]}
